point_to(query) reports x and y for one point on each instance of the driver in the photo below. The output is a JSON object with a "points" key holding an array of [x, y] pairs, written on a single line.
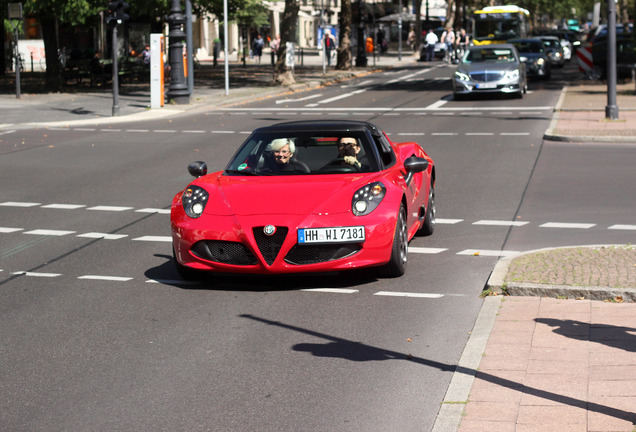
{"points": [[348, 149]]}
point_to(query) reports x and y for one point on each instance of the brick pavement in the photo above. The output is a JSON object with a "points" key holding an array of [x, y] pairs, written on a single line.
{"points": [[556, 365]]}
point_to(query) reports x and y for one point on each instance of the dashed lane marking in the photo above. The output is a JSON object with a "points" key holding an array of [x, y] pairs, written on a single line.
{"points": [[105, 278], [49, 232], [37, 274], [623, 227], [153, 210], [110, 208], [104, 236], [408, 294], [8, 230], [567, 225], [500, 223], [331, 290], [448, 221], [19, 204], [154, 238], [425, 250], [63, 206]]}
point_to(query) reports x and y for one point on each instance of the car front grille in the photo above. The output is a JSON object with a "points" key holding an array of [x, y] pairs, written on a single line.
{"points": [[225, 252], [270, 245], [313, 254], [487, 76]]}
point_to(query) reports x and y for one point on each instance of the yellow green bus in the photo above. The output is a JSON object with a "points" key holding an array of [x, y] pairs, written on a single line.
{"points": [[497, 24]]}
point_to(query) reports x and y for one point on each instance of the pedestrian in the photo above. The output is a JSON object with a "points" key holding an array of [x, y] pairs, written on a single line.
{"points": [[257, 48], [411, 39], [431, 40], [448, 37], [329, 45], [275, 46]]}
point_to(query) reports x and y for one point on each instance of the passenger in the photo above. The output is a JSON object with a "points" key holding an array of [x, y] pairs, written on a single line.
{"points": [[283, 150]]}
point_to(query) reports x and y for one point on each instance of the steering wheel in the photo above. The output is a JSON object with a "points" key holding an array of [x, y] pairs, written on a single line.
{"points": [[339, 165]]}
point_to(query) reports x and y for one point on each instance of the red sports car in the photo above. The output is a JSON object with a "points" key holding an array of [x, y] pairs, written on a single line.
{"points": [[311, 196]]}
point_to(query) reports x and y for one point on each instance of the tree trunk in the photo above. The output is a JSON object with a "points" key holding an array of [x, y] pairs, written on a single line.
{"points": [[344, 47], [53, 70], [289, 28]]}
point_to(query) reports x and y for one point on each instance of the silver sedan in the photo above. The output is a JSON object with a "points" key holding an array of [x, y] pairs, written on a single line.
{"points": [[490, 69]]}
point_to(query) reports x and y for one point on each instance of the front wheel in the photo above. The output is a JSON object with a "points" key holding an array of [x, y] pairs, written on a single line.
{"points": [[186, 273], [397, 264]]}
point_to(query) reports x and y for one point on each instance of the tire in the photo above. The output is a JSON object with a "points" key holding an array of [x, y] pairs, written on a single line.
{"points": [[186, 273], [397, 264], [428, 226]]}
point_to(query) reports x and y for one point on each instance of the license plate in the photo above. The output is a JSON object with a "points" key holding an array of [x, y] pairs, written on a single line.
{"points": [[354, 234], [487, 86]]}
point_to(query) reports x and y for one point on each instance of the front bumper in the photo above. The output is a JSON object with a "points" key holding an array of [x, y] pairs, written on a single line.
{"points": [[237, 244], [476, 87]]}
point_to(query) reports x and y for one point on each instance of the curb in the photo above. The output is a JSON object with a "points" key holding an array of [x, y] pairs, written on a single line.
{"points": [[496, 283]]}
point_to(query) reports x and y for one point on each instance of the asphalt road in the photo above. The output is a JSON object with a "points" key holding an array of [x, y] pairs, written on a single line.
{"points": [[99, 333]]}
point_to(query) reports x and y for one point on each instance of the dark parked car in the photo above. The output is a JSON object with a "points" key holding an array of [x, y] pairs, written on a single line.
{"points": [[625, 54], [534, 54], [555, 50]]}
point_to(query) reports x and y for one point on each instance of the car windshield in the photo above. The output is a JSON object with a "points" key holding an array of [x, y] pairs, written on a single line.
{"points": [[534, 47], [305, 153], [500, 55]]}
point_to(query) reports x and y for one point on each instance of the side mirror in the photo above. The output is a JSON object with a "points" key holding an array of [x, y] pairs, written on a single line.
{"points": [[197, 168], [414, 165]]}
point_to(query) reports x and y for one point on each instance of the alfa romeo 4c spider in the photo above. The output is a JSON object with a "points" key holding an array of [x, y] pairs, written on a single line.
{"points": [[302, 197]]}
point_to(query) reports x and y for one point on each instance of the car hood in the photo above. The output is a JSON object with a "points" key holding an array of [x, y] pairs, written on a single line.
{"points": [[469, 68], [245, 195]]}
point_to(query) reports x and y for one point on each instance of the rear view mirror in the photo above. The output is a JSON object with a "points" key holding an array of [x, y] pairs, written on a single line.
{"points": [[197, 168]]}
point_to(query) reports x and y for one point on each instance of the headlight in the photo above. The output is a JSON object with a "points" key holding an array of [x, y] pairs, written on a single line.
{"points": [[512, 75], [461, 76], [367, 198], [540, 61], [194, 199]]}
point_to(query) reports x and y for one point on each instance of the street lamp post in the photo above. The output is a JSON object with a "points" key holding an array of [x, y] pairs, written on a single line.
{"points": [[178, 90], [611, 110]]}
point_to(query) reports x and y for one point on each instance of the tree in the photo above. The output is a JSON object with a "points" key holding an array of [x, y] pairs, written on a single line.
{"points": [[288, 34], [344, 48]]}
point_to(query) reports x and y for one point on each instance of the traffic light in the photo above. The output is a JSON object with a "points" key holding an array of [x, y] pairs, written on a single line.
{"points": [[117, 12]]}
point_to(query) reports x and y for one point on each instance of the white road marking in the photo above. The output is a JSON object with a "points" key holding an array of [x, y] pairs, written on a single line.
{"points": [[342, 96], [194, 131], [7, 230], [514, 133], [222, 132], [500, 223], [105, 236], [424, 250], [490, 253], [85, 129], [154, 238], [436, 105], [37, 274], [408, 294], [331, 290], [106, 278], [49, 232], [279, 101], [567, 225], [480, 133], [19, 204], [110, 208], [153, 210], [165, 131], [412, 134], [444, 134], [172, 282], [448, 221], [138, 130], [64, 206], [7, 132], [622, 227]]}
